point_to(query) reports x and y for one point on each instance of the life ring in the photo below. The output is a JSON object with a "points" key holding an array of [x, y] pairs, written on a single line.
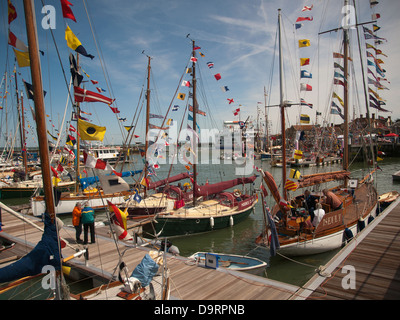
{"points": [[188, 185], [237, 193]]}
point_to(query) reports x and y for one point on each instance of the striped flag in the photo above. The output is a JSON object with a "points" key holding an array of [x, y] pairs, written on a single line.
{"points": [[291, 185]]}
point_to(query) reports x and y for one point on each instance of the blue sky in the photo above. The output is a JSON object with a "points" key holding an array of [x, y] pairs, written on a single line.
{"points": [[238, 36]]}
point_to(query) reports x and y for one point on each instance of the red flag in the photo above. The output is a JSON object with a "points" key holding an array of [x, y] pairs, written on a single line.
{"points": [[12, 14], [304, 19], [15, 42], [217, 76], [92, 162], [230, 101], [115, 110], [66, 10], [55, 173], [90, 96], [60, 167]]}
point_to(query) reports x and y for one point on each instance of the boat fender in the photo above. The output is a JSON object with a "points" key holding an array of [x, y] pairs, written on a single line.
{"points": [[231, 221], [370, 219], [212, 222], [360, 225], [174, 250], [348, 235]]}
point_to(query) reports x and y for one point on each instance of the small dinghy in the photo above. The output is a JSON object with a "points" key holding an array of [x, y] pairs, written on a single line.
{"points": [[229, 261]]}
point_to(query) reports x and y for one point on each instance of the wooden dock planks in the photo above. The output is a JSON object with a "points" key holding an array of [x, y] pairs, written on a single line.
{"points": [[188, 281], [376, 261]]}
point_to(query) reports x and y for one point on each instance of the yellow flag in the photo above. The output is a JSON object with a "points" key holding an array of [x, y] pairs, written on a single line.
{"points": [[89, 131], [22, 58], [304, 61], [72, 41], [294, 174], [304, 43], [181, 96], [298, 154], [334, 95]]}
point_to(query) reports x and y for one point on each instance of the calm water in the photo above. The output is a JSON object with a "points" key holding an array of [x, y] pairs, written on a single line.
{"points": [[240, 238]]}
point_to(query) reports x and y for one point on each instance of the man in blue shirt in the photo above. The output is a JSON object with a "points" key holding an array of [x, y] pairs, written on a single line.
{"points": [[87, 219]]}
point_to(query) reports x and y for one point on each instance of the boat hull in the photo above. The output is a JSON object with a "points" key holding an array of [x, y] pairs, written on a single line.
{"points": [[326, 243], [234, 262], [66, 204], [25, 192], [173, 225]]}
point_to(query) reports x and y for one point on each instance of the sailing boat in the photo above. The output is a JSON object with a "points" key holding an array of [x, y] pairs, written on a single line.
{"points": [[290, 230], [205, 208], [149, 204]]}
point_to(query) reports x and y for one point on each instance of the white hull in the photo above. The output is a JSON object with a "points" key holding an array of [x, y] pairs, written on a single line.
{"points": [[67, 205], [320, 245]]}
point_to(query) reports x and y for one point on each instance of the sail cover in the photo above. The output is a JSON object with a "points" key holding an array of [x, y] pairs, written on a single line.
{"points": [[221, 186], [162, 182], [46, 252], [317, 178]]}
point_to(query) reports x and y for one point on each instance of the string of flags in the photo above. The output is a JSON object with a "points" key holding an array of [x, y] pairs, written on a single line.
{"points": [[377, 72], [305, 75]]}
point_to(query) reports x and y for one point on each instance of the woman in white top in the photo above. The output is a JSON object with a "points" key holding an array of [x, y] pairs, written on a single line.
{"points": [[318, 214]]}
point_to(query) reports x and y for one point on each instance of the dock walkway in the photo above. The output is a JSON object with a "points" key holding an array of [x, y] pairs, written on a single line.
{"points": [[367, 268], [188, 281]]}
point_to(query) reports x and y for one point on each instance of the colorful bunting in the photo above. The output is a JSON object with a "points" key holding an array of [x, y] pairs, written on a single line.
{"points": [[82, 95], [304, 43], [12, 14], [66, 10], [304, 19], [305, 87], [304, 61], [74, 43]]}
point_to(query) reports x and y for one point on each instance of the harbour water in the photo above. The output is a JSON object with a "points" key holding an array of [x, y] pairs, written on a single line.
{"points": [[240, 239]]}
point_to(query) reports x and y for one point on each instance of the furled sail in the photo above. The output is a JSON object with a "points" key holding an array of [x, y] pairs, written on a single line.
{"points": [[46, 252], [221, 186]]}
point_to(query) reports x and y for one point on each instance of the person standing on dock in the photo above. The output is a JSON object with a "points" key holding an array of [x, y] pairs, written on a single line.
{"points": [[76, 221], [87, 219]]}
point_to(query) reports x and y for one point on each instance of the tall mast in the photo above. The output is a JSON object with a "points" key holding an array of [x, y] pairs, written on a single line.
{"points": [[21, 117], [147, 117], [346, 98], [39, 106], [266, 122], [194, 123], [78, 138], [282, 106]]}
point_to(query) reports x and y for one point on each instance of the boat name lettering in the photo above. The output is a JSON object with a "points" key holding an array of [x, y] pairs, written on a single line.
{"points": [[246, 203], [334, 219]]}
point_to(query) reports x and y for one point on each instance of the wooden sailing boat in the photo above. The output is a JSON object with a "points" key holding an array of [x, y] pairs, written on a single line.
{"points": [[290, 231], [205, 208]]}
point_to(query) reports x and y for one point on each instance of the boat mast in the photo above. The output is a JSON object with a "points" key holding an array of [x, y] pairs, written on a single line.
{"points": [[21, 117], [346, 98], [266, 123], [39, 107], [194, 122], [78, 139], [282, 106], [147, 119]]}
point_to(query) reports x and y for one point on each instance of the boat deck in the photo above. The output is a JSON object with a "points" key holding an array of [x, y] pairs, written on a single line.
{"points": [[188, 281], [375, 259]]}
